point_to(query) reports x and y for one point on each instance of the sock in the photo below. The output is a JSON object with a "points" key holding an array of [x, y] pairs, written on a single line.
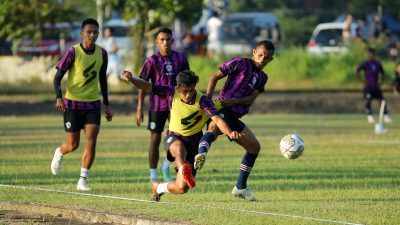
{"points": [[153, 174], [84, 173], [205, 142], [245, 169], [162, 188], [58, 152], [165, 165]]}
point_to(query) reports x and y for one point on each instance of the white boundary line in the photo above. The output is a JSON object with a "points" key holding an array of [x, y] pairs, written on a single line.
{"points": [[148, 201]]}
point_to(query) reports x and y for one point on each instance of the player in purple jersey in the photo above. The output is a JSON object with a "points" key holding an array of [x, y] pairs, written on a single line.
{"points": [[245, 81], [396, 80], [86, 64], [374, 77], [161, 69], [190, 111]]}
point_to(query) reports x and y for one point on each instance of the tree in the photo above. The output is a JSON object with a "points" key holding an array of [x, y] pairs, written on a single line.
{"points": [[27, 18], [151, 14]]}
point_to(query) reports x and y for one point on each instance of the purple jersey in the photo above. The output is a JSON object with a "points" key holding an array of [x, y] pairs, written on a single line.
{"points": [[163, 71], [243, 77], [371, 70]]}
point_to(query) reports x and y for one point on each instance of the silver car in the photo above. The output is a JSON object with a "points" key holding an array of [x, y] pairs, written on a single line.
{"points": [[327, 39]]}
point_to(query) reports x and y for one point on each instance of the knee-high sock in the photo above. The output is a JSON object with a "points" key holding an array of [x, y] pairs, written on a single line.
{"points": [[245, 169], [205, 142]]}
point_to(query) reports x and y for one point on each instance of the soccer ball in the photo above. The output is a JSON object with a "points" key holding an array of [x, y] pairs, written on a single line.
{"points": [[291, 146]]}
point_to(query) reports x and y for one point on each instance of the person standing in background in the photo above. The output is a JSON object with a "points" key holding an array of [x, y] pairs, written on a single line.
{"points": [[161, 69], [86, 64]]}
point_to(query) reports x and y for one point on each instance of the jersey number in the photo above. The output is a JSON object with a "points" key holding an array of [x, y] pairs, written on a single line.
{"points": [[89, 73], [191, 120]]}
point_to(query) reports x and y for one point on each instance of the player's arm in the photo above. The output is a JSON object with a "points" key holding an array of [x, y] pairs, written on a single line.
{"points": [[224, 128], [213, 82], [248, 100], [137, 82], [104, 87], [57, 89]]}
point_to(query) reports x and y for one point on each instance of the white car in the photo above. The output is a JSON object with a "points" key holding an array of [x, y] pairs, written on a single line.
{"points": [[327, 39]]}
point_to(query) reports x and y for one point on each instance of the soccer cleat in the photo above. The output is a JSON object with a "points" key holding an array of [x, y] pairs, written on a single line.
{"points": [[243, 193], [166, 175], [155, 196], [56, 163], [387, 119], [188, 176], [199, 161], [370, 119], [83, 185]]}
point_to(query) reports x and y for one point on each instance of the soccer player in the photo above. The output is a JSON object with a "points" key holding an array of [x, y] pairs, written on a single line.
{"points": [[86, 64], [245, 81], [190, 111], [374, 77], [161, 69]]}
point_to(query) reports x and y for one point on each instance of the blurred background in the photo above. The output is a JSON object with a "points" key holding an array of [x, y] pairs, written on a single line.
{"points": [[319, 43]]}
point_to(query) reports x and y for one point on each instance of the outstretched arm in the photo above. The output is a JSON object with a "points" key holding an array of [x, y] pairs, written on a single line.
{"points": [[224, 128], [213, 82], [248, 100], [137, 82]]}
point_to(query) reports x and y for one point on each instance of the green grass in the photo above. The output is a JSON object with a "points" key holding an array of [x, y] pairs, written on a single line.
{"points": [[347, 173]]}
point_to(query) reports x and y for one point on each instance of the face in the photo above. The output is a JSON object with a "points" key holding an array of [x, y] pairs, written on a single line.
{"points": [[164, 42], [186, 93], [371, 55], [261, 56], [89, 34]]}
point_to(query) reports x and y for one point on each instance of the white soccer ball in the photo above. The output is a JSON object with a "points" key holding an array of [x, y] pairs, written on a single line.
{"points": [[291, 146]]}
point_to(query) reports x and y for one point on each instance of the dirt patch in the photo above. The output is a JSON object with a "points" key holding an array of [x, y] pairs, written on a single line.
{"points": [[272, 102]]}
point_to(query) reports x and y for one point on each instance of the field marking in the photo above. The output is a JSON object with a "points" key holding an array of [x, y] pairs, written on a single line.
{"points": [[171, 203]]}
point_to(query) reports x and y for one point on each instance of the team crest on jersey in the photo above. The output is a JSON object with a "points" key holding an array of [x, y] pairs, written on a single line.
{"points": [[221, 115], [254, 80], [152, 125], [68, 125], [169, 68]]}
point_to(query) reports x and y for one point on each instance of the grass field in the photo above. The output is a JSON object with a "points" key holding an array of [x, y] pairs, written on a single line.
{"points": [[347, 174]]}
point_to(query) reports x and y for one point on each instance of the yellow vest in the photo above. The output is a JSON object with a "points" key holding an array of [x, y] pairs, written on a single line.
{"points": [[187, 119], [83, 76]]}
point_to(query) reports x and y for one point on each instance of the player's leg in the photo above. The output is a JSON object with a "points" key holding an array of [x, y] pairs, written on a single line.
{"points": [[91, 128], [184, 178], [205, 144], [252, 146], [368, 108], [72, 126], [165, 172], [386, 117], [156, 126]]}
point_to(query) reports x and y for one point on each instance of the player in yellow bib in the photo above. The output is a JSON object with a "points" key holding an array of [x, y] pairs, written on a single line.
{"points": [[86, 64], [190, 111]]}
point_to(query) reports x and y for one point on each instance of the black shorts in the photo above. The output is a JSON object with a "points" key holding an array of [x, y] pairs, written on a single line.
{"points": [[373, 94], [75, 119], [232, 119], [157, 121], [191, 149]]}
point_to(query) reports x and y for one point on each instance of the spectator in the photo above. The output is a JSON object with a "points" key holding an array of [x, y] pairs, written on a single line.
{"points": [[187, 42], [114, 63], [346, 33], [214, 26]]}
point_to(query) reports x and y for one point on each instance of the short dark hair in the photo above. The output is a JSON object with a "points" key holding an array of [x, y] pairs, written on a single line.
{"points": [[89, 21], [268, 45], [372, 50], [186, 78], [164, 30]]}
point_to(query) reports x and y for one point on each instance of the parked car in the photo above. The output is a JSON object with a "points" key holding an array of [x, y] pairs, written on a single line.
{"points": [[327, 39], [55, 40], [242, 31]]}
